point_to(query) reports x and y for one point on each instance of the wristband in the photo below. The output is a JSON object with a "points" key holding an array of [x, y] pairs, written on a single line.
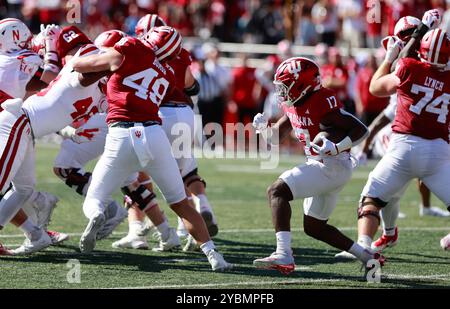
{"points": [[345, 144]]}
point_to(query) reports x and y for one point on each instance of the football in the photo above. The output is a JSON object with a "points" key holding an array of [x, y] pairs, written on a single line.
{"points": [[333, 135]]}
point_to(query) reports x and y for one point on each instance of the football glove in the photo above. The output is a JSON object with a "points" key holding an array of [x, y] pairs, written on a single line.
{"points": [[260, 122], [432, 18]]}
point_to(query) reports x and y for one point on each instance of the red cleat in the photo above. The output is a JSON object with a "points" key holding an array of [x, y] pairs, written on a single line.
{"points": [[385, 241], [4, 251], [57, 237]]}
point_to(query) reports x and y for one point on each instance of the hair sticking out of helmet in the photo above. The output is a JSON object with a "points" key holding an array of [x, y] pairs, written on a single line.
{"points": [[405, 27], [14, 35], [109, 38], [295, 78], [165, 41], [435, 48], [147, 23]]}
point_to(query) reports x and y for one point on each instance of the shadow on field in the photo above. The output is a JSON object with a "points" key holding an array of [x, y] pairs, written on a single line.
{"points": [[145, 260]]}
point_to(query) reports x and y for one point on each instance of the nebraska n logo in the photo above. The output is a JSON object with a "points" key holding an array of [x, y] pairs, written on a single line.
{"points": [[294, 68], [16, 35]]}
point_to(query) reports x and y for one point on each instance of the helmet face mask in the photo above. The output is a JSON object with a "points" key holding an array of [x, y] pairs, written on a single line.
{"points": [[14, 35], [294, 79]]}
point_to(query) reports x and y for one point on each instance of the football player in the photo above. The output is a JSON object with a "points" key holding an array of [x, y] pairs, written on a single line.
{"points": [[177, 108], [22, 72], [135, 140], [309, 108], [65, 100], [419, 145]]}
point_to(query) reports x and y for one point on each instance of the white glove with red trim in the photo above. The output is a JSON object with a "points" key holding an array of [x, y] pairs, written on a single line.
{"points": [[432, 18], [82, 135]]}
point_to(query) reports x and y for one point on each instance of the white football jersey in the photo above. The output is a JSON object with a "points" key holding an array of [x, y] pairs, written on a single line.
{"points": [[16, 70], [64, 101]]}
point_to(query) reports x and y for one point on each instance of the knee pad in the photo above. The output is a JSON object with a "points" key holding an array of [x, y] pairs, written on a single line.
{"points": [[140, 195], [192, 177], [74, 178], [367, 212]]}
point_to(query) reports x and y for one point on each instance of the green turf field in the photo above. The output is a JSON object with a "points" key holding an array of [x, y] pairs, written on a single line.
{"points": [[236, 188]]}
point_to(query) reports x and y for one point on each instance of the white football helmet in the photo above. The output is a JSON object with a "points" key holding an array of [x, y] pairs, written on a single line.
{"points": [[14, 35], [405, 27]]}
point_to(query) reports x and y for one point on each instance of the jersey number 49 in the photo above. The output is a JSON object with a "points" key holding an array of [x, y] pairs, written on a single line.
{"points": [[144, 89]]}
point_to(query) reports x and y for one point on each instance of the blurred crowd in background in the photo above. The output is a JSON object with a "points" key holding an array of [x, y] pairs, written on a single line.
{"points": [[236, 94]]}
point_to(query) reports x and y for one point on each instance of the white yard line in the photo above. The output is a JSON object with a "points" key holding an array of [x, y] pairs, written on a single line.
{"points": [[268, 230], [281, 282]]}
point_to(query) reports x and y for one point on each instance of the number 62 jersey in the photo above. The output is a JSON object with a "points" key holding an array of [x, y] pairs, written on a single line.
{"points": [[64, 101], [423, 97]]}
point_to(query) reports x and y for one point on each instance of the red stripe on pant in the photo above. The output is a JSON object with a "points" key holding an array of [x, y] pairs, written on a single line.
{"points": [[16, 131]]}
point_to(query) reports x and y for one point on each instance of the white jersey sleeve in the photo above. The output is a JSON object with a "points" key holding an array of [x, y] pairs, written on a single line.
{"points": [[64, 101], [390, 110], [16, 71]]}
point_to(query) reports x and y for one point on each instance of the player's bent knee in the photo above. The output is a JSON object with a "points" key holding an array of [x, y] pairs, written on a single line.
{"points": [[370, 207], [279, 189], [142, 196], [193, 177], [74, 178]]}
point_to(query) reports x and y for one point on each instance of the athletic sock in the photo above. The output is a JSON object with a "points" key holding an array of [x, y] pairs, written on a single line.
{"points": [[365, 241], [207, 246], [31, 231], [389, 231], [164, 230], [360, 252], [135, 227], [283, 242]]}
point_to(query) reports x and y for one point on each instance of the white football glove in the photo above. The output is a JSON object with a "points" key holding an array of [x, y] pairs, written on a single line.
{"points": [[362, 158], [51, 34], [393, 47], [432, 18], [328, 148], [82, 135], [260, 122]]}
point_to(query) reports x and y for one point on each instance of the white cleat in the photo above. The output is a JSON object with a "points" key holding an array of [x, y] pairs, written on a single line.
{"points": [[88, 239], [345, 255], [44, 205], [284, 263], [114, 215], [191, 245], [433, 212], [131, 242], [445, 242], [57, 237], [29, 247], [217, 261], [170, 243]]}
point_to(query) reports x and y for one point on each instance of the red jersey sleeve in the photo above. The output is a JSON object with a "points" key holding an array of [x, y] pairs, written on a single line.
{"points": [[185, 57], [125, 45]]}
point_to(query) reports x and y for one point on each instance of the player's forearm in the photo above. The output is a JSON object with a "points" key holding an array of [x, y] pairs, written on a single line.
{"points": [[91, 64]]}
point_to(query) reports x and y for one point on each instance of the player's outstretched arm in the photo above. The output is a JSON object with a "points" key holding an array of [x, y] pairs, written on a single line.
{"points": [[274, 134], [108, 61]]}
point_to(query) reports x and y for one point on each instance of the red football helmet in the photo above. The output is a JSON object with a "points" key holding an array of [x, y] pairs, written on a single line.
{"points": [[69, 38], [294, 78], [165, 41], [435, 48], [109, 38], [147, 23]]}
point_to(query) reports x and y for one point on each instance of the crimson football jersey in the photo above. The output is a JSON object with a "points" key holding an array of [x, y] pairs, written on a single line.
{"points": [[306, 117], [179, 64], [138, 87], [422, 100]]}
